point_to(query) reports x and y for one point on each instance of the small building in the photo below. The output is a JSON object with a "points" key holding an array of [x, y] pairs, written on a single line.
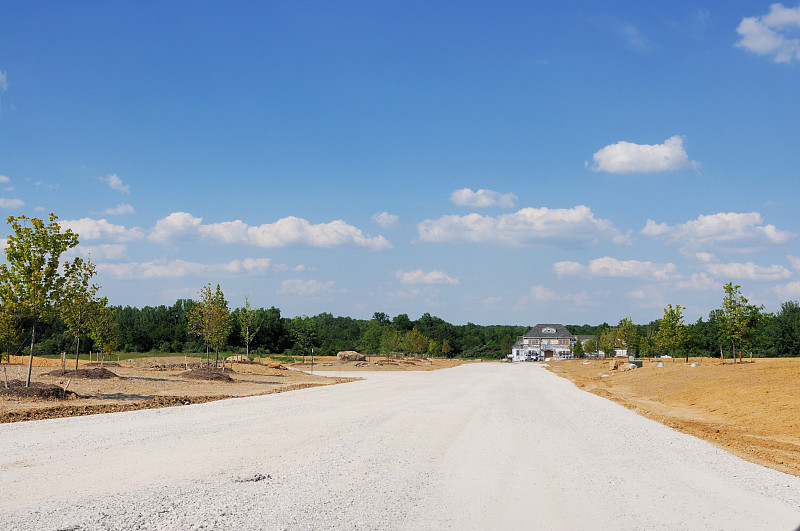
{"points": [[544, 341]]}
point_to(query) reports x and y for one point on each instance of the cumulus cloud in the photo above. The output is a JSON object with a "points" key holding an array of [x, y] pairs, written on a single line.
{"points": [[699, 282], [749, 271], [385, 220], [307, 288], [120, 209], [5, 179], [108, 251], [795, 262], [626, 157], [788, 291], [159, 269], [11, 203], [541, 293], [737, 232], [482, 198], [770, 34], [176, 225], [611, 267], [286, 231], [529, 226], [115, 183], [420, 277], [101, 229]]}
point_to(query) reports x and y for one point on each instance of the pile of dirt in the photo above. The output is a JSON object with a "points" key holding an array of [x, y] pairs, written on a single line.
{"points": [[207, 374], [38, 390], [96, 373]]}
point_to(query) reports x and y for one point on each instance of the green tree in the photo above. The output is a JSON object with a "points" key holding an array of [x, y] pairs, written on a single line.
{"points": [[77, 304], [577, 349], [415, 341], [434, 349], [627, 334], [786, 329], [446, 348], [671, 333], [739, 319], [103, 327], [248, 324], [30, 282], [304, 334], [10, 331], [211, 320], [591, 346]]}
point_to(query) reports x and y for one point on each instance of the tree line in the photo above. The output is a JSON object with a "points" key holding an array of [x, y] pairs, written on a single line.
{"points": [[52, 306]]}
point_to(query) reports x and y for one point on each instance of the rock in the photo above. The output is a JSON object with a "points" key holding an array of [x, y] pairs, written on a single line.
{"points": [[628, 367], [350, 355], [660, 364], [238, 357], [613, 365]]}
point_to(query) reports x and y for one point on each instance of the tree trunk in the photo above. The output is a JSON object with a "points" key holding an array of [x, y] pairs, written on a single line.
{"points": [[77, 351], [30, 359]]}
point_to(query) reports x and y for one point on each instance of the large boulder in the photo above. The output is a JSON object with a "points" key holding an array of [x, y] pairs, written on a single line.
{"points": [[613, 365], [350, 355]]}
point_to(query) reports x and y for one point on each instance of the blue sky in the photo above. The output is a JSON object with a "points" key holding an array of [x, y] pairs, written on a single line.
{"points": [[499, 163]]}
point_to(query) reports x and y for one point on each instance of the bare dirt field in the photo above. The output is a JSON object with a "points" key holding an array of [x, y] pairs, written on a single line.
{"points": [[145, 383], [749, 409], [142, 383]]}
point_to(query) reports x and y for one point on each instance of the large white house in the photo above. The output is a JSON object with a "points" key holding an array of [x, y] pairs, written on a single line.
{"points": [[544, 341]]}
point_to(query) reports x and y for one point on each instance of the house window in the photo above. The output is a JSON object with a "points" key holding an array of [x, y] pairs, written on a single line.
{"points": [[548, 330]]}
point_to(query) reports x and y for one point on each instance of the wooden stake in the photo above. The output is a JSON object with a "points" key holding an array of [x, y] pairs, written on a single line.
{"points": [[5, 376]]}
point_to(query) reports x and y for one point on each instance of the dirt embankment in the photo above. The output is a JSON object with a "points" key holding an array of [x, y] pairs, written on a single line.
{"points": [[749, 409]]}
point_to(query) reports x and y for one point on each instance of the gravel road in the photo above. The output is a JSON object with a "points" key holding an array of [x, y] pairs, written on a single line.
{"points": [[480, 446]]}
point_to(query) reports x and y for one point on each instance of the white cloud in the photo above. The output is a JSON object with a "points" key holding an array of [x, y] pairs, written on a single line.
{"points": [[115, 183], [159, 269], [3, 81], [788, 291], [728, 231], [385, 220], [308, 288], [97, 229], [176, 225], [528, 226], [770, 34], [286, 231], [749, 271], [795, 262], [482, 198], [626, 157], [705, 257], [11, 203], [109, 251], [4, 179], [699, 282], [611, 267], [122, 208], [544, 294], [420, 277]]}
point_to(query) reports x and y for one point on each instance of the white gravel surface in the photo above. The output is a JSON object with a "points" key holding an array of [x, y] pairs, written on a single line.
{"points": [[480, 446]]}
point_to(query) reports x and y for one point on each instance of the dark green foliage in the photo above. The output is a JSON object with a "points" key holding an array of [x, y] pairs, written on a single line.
{"points": [[785, 330]]}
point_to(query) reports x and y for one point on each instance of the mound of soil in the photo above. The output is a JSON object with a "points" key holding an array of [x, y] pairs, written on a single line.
{"points": [[97, 373], [17, 389], [206, 374]]}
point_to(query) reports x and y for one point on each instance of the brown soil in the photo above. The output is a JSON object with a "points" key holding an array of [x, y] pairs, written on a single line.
{"points": [[749, 409], [379, 363], [95, 373], [144, 383], [206, 374], [137, 384]]}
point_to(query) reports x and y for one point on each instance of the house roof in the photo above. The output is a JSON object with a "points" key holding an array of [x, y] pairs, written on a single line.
{"points": [[544, 330]]}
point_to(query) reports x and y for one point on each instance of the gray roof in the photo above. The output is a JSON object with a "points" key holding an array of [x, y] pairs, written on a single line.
{"points": [[538, 331]]}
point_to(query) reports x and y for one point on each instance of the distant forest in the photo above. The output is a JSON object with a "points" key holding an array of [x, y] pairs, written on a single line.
{"points": [[164, 329]]}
